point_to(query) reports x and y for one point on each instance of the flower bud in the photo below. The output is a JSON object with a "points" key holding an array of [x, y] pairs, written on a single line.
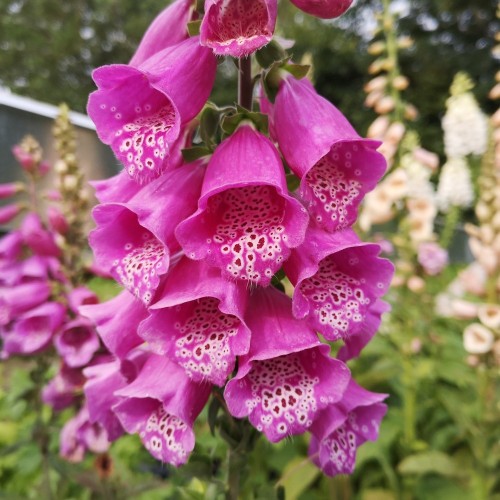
{"points": [[377, 83], [489, 315], [400, 82], [373, 98], [385, 105], [427, 158], [378, 128], [411, 112], [416, 284], [395, 132], [10, 189], [9, 212]]}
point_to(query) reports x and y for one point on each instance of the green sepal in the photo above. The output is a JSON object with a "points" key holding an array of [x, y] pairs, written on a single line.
{"points": [[213, 410], [270, 54], [272, 76], [231, 121], [292, 182], [194, 153], [194, 27], [209, 124]]}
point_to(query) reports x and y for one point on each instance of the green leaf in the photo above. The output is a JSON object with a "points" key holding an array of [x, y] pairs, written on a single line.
{"points": [[430, 462], [192, 154], [213, 410], [270, 54], [209, 123], [297, 476]]}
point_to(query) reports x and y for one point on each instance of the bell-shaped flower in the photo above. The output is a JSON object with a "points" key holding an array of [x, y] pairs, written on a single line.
{"points": [[103, 380], [161, 405], [337, 278], [336, 166], [77, 342], [81, 296], [35, 236], [354, 344], [79, 435], [32, 331], [15, 300], [287, 377], [116, 322], [342, 428], [238, 27], [11, 246], [143, 239], [198, 321], [62, 391], [139, 111], [325, 9], [246, 221], [167, 29], [9, 212]]}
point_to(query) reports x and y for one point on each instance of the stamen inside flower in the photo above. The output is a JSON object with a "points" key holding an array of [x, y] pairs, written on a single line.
{"points": [[248, 238], [203, 345]]}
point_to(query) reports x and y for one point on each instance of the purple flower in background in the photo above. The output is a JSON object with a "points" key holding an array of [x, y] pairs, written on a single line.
{"points": [[337, 279], [238, 27], [342, 428], [336, 166], [77, 342], [62, 390], [288, 376], [143, 230], [139, 111], [79, 435], [37, 238], [246, 221], [198, 322], [432, 257], [162, 413]]}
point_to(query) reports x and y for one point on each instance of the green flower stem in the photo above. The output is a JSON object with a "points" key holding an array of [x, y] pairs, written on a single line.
{"points": [[450, 224], [410, 402]]}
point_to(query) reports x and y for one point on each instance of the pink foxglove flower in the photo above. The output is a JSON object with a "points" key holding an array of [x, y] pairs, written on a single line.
{"points": [[40, 241], [198, 322], [81, 296], [326, 9], [162, 413], [238, 27], [342, 428], [119, 188], [79, 435], [246, 221], [32, 331], [143, 239], [336, 166], [9, 212], [337, 279], [288, 376], [77, 342], [116, 322], [15, 300], [61, 391], [167, 29], [139, 111], [10, 189], [57, 221]]}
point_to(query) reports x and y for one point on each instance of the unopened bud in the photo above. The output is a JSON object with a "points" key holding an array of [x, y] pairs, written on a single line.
{"points": [[405, 42], [495, 92], [378, 128], [400, 82], [385, 105], [377, 83], [10, 189], [70, 182], [395, 132], [411, 112], [478, 339], [373, 97], [61, 167], [9, 212], [427, 158], [376, 48], [416, 284]]}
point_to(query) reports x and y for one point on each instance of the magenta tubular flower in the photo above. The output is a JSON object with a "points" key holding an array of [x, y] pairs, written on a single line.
{"points": [[198, 322], [11, 246], [342, 428], [10, 189], [354, 344], [143, 239], [15, 300], [246, 222], [325, 9], [9, 212], [81, 296], [103, 380], [25, 159], [57, 220], [337, 279], [116, 322], [162, 413], [139, 111], [37, 237], [167, 29], [238, 27], [336, 166], [119, 188], [79, 435], [287, 377], [61, 391], [33, 330], [77, 342]]}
